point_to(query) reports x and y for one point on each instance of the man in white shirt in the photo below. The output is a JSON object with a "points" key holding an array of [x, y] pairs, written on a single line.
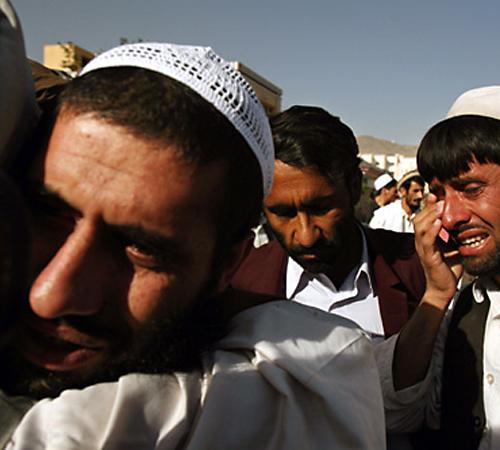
{"points": [[385, 190], [141, 202], [443, 369], [324, 257], [398, 215]]}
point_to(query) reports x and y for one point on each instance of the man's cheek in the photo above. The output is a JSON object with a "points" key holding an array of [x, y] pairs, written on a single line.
{"points": [[148, 297]]}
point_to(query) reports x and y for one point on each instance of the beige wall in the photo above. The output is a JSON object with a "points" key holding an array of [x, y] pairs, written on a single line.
{"points": [[66, 56]]}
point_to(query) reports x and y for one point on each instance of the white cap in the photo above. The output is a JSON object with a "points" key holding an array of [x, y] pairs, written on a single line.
{"points": [[382, 181], [483, 101], [213, 78]]}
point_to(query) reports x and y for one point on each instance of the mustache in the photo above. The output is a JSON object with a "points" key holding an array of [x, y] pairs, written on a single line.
{"points": [[92, 326], [318, 247], [461, 228]]}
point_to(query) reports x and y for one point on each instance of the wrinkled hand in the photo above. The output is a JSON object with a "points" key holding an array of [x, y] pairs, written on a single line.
{"points": [[442, 267]]}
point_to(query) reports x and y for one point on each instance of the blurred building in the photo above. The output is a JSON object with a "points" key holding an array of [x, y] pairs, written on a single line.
{"points": [[268, 93], [388, 156], [66, 56]]}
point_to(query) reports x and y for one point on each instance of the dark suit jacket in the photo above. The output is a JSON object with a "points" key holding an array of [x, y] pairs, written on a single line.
{"points": [[397, 274]]}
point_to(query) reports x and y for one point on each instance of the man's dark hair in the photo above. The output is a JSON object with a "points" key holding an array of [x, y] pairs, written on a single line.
{"points": [[156, 107], [450, 146], [307, 136], [414, 179]]}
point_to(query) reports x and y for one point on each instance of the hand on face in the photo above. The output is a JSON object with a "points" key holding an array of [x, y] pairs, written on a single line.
{"points": [[441, 263]]}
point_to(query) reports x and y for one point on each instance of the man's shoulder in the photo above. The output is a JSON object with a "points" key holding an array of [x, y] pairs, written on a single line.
{"points": [[388, 209], [384, 216], [391, 244], [263, 270], [257, 326]]}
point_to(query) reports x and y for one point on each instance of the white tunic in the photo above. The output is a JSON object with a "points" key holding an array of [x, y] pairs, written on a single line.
{"points": [[286, 377], [392, 217]]}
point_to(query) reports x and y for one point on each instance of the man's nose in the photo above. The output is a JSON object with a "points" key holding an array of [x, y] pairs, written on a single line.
{"points": [[306, 232], [72, 282], [455, 211]]}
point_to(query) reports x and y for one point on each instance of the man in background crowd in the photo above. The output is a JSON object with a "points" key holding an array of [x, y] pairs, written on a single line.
{"points": [[398, 215], [385, 190]]}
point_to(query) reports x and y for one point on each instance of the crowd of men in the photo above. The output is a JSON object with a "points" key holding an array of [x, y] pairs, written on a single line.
{"points": [[137, 314]]}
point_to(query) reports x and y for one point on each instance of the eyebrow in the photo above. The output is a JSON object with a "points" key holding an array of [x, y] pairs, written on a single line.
{"points": [[35, 189], [464, 180]]}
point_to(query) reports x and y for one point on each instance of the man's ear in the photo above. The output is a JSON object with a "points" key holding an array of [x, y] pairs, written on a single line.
{"points": [[354, 186], [233, 260]]}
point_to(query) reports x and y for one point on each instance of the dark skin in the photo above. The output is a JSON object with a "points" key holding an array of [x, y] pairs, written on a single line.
{"points": [[412, 197], [312, 217]]}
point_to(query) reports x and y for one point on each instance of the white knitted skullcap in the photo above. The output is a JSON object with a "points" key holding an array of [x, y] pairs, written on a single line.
{"points": [[206, 73], [382, 181], [483, 101]]}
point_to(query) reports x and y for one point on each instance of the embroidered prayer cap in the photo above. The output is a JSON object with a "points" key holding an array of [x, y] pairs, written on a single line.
{"points": [[407, 176], [213, 78], [483, 101], [382, 181]]}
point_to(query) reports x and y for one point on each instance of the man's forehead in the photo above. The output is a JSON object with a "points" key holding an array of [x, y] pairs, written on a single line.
{"points": [[301, 185], [288, 172], [416, 185], [87, 156], [474, 171]]}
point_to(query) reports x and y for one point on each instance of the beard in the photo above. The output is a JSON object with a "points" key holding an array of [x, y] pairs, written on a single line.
{"points": [[485, 265], [173, 344], [327, 252]]}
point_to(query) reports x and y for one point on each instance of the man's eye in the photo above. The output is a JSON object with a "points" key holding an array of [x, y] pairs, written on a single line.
{"points": [[318, 210], [472, 190], [142, 255], [283, 212], [149, 258]]}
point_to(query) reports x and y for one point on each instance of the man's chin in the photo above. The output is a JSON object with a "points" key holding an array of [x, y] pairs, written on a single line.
{"points": [[312, 265], [482, 266], [37, 382], [170, 345]]}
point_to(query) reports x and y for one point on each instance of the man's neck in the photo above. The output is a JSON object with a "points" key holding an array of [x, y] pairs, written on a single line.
{"points": [[406, 208], [348, 259], [379, 201]]}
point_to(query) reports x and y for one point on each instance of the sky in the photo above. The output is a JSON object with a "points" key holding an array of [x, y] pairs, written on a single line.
{"points": [[387, 68]]}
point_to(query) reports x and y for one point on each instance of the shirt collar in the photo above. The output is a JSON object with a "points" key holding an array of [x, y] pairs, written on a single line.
{"points": [[297, 277], [483, 286]]}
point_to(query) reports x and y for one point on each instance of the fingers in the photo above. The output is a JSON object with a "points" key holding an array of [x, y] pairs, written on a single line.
{"points": [[427, 228], [441, 266]]}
